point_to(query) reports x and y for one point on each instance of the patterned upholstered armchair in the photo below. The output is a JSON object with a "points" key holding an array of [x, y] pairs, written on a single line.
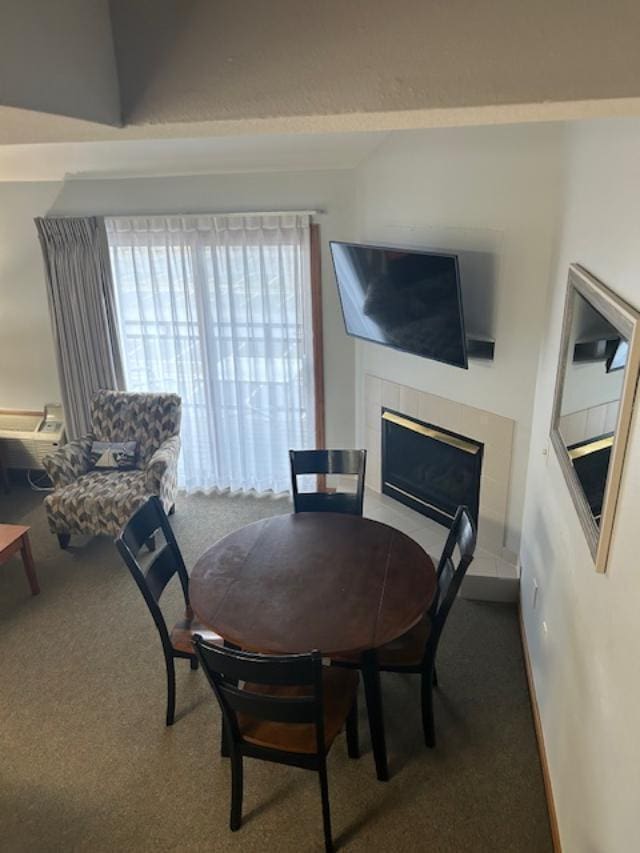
{"points": [[92, 501]]}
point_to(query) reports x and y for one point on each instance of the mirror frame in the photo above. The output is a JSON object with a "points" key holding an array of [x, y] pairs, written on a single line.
{"points": [[627, 320]]}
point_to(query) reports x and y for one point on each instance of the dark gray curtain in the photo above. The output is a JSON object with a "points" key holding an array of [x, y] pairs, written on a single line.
{"points": [[83, 315]]}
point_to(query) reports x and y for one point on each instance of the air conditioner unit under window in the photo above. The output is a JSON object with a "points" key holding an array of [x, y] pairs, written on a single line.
{"points": [[27, 437]]}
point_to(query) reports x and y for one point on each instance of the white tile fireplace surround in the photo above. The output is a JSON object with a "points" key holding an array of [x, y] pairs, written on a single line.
{"points": [[494, 431]]}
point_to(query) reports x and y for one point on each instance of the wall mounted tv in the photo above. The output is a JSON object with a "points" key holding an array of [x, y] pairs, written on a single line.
{"points": [[402, 298]]}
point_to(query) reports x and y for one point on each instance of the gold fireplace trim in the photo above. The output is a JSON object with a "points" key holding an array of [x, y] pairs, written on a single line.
{"points": [[419, 500], [592, 447], [430, 432]]}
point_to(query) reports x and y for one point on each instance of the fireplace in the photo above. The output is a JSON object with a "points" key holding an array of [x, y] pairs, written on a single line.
{"points": [[428, 468]]}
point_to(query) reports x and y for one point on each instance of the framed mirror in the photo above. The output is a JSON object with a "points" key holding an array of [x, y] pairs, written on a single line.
{"points": [[594, 398]]}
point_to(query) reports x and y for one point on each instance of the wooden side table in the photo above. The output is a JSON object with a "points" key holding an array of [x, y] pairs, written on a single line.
{"points": [[14, 538]]}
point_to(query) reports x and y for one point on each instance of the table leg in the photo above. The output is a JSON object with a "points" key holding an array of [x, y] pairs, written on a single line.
{"points": [[29, 568], [373, 694]]}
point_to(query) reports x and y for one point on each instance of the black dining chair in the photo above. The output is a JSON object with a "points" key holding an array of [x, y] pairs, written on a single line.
{"points": [[167, 562], [321, 463], [415, 651], [287, 709]]}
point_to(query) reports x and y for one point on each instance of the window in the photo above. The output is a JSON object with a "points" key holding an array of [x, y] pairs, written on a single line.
{"points": [[218, 309]]}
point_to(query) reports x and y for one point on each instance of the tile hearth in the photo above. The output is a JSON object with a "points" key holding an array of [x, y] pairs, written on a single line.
{"points": [[430, 535]]}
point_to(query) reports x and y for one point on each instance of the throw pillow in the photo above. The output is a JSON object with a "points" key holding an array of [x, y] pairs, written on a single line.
{"points": [[114, 454]]}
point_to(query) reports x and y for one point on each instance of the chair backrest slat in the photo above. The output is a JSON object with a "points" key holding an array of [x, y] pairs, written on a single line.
{"points": [[161, 569], [145, 522], [462, 535], [260, 669], [323, 462], [327, 502], [299, 709], [328, 461], [300, 675]]}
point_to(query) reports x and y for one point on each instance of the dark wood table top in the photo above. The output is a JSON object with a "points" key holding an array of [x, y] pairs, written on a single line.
{"points": [[293, 583]]}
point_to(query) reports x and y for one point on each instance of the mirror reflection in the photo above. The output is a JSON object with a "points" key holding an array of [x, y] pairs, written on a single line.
{"points": [[595, 363]]}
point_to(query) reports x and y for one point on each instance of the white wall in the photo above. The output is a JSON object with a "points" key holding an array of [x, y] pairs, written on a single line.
{"points": [[28, 374], [586, 663], [492, 194], [28, 347]]}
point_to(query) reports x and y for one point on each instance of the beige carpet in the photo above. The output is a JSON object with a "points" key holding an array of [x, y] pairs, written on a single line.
{"points": [[87, 764]]}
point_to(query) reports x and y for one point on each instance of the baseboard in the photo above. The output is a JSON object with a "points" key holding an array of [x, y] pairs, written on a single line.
{"points": [[546, 777]]}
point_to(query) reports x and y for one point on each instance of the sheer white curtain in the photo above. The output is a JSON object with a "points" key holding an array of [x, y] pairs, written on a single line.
{"points": [[218, 309]]}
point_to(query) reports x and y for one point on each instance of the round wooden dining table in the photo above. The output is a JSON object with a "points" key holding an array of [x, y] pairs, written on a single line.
{"points": [[332, 582]]}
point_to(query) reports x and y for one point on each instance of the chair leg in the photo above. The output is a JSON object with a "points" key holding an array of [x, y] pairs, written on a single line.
{"points": [[64, 539], [427, 709], [151, 543], [193, 663], [236, 790], [171, 690], [326, 811], [353, 747]]}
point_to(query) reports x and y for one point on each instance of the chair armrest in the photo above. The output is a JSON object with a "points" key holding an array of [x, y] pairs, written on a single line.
{"points": [[68, 463], [163, 462]]}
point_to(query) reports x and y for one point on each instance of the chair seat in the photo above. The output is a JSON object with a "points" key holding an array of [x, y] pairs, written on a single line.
{"points": [[183, 631], [339, 691], [406, 650], [97, 502]]}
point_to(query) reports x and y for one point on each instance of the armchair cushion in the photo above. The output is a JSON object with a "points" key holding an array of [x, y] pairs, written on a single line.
{"points": [[97, 502], [69, 462]]}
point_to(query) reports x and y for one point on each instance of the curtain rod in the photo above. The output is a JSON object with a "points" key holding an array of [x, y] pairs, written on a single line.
{"points": [[222, 213]]}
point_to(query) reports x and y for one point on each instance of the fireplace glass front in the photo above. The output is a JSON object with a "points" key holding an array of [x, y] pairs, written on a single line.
{"points": [[430, 469]]}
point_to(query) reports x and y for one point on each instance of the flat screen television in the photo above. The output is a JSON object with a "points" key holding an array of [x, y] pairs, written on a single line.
{"points": [[405, 299], [617, 352]]}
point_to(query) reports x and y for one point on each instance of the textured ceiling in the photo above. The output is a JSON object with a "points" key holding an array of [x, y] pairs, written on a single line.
{"points": [[186, 68], [215, 61]]}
